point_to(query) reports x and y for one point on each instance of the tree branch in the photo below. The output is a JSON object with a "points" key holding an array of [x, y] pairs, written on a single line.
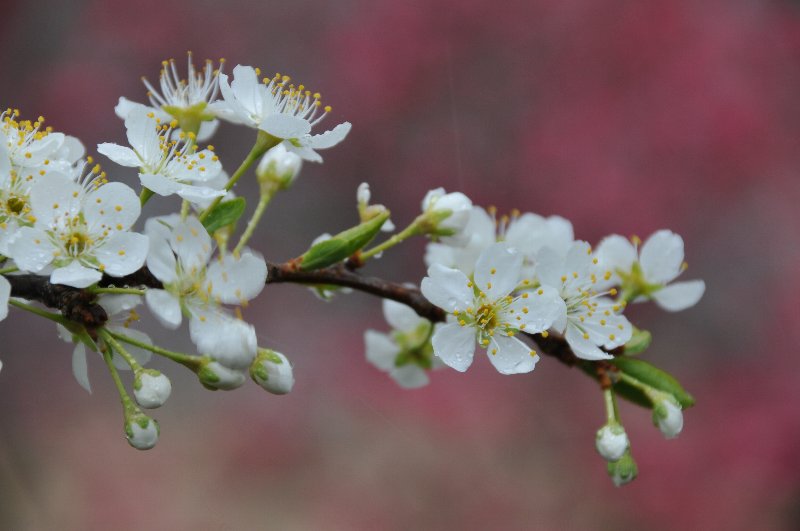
{"points": [[80, 305]]}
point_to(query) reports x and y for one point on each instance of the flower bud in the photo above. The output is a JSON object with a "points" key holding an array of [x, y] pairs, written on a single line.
{"points": [[624, 470], [151, 388], [141, 431], [215, 376], [272, 371], [611, 441], [279, 168], [668, 417], [447, 215]]}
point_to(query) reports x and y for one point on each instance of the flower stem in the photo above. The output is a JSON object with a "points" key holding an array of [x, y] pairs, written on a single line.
{"points": [[612, 413], [109, 339], [118, 291], [263, 143], [411, 230], [127, 403], [192, 362], [650, 392], [58, 318], [253, 223], [145, 195], [10, 269]]}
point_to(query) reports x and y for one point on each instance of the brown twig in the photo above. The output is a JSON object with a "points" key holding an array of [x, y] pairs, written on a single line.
{"points": [[79, 304]]}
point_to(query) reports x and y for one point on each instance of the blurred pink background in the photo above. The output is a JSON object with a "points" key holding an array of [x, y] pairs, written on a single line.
{"points": [[624, 117]]}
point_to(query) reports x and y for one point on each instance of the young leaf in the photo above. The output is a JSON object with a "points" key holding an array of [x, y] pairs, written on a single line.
{"points": [[225, 213], [651, 375], [342, 245]]}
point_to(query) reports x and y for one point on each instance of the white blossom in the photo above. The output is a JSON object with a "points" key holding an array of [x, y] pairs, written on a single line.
{"points": [[484, 310], [280, 166], [81, 231], [406, 353], [185, 99], [588, 319], [646, 273], [151, 388], [179, 257], [277, 107], [166, 166]]}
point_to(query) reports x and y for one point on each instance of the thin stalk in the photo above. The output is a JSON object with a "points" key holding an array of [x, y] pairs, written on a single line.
{"points": [[253, 223], [411, 230], [192, 362]]}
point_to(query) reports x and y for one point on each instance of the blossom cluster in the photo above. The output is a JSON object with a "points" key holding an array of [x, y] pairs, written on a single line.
{"points": [[509, 286]]}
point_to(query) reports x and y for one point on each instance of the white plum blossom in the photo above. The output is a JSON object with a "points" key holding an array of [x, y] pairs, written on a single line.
{"points": [[121, 314], [449, 215], [30, 148], [179, 257], [185, 99], [588, 319], [281, 109], [405, 353], [528, 233], [166, 166], [484, 311], [645, 274], [81, 231]]}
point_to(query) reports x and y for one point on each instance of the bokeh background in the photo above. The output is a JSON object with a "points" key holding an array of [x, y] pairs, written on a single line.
{"points": [[624, 117]]}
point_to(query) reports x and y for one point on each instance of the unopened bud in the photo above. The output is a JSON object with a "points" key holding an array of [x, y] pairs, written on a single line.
{"points": [[279, 168], [214, 375], [611, 441], [667, 415], [141, 431], [446, 215], [151, 388], [624, 470], [272, 371]]}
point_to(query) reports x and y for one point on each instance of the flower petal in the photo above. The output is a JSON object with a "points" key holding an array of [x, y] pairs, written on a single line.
{"points": [[192, 244], [401, 317], [449, 289], [165, 306], [455, 345], [160, 258], [141, 355], [584, 348], [75, 275], [538, 311], [122, 155], [285, 126], [5, 293], [381, 351], [230, 341], [112, 207], [31, 250], [497, 271], [330, 138], [661, 257], [80, 368], [122, 253], [509, 355], [410, 376], [235, 281], [680, 295], [616, 252]]}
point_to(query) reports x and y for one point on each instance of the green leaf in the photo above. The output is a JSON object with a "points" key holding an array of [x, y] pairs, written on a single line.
{"points": [[638, 342], [343, 245], [225, 213], [651, 375]]}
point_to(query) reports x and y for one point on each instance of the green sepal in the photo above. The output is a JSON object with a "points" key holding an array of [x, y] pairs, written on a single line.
{"points": [[654, 377], [79, 333], [638, 342], [342, 245], [225, 213]]}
